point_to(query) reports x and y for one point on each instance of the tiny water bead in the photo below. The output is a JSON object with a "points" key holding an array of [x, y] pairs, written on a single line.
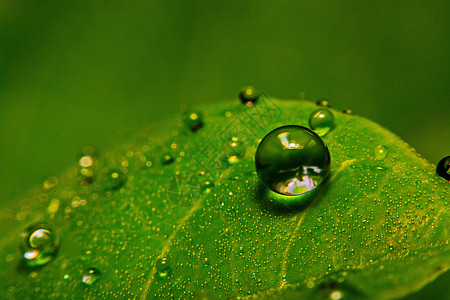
{"points": [[380, 152], [248, 95], [167, 159], [321, 121], [347, 111], [115, 179], [193, 120], [292, 160], [323, 103], [163, 267], [39, 245], [443, 168], [234, 149], [86, 161], [207, 186], [90, 276]]}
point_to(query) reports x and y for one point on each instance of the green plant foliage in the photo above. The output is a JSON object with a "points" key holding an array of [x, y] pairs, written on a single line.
{"points": [[203, 225]]}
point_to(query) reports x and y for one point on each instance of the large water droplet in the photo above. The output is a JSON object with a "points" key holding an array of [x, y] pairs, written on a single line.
{"points": [[233, 149], [292, 160], [163, 267], [321, 121], [380, 152], [39, 245], [248, 95], [90, 276], [443, 168], [193, 120]]}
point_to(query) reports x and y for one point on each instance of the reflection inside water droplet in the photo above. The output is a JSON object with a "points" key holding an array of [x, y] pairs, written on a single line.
{"points": [[292, 160]]}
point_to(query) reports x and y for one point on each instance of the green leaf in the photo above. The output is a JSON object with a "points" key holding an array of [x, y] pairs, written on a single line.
{"points": [[375, 229]]}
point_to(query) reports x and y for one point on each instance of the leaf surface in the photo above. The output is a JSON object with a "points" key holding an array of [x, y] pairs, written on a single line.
{"points": [[375, 229]]}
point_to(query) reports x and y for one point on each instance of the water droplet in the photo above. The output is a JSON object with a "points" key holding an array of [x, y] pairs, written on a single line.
{"points": [[347, 111], [50, 183], [87, 176], [292, 160], [167, 159], [39, 244], [207, 186], [443, 168], [234, 149], [321, 121], [193, 120], [248, 95], [337, 290], [336, 295], [90, 276], [323, 103], [115, 179], [163, 267], [380, 152], [86, 161]]}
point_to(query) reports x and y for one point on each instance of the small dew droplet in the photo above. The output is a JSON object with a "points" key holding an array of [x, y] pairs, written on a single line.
{"points": [[50, 183], [193, 120], [207, 186], [39, 245], [292, 160], [321, 121], [323, 103], [443, 168], [167, 159], [90, 276], [347, 111], [234, 149], [115, 179], [380, 152], [249, 95], [86, 161], [163, 267]]}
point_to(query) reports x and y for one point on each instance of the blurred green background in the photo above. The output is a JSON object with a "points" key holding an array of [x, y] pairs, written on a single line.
{"points": [[91, 73]]}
